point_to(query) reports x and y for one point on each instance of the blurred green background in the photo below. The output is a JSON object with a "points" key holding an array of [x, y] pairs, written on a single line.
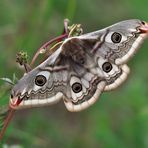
{"points": [[119, 119]]}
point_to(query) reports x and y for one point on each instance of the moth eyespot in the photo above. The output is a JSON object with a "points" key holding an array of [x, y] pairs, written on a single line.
{"points": [[116, 37], [107, 67], [11, 96], [77, 87], [40, 80], [143, 23]]}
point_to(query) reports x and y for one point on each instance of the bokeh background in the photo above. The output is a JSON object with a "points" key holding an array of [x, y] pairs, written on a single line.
{"points": [[118, 119]]}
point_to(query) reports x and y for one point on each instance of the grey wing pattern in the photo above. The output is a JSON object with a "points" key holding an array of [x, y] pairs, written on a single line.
{"points": [[119, 42], [81, 69], [89, 69], [67, 75], [114, 75], [116, 44], [73, 72]]}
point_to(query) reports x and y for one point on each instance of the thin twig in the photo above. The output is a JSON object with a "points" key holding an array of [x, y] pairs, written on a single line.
{"points": [[6, 122], [66, 22], [45, 46]]}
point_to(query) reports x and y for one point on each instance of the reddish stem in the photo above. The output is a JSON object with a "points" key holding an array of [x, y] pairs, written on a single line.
{"points": [[57, 39], [6, 122]]}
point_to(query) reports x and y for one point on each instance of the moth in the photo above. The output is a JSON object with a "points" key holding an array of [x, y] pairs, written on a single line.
{"points": [[81, 68]]}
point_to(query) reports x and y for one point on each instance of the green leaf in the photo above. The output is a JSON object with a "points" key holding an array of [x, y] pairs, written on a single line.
{"points": [[9, 81]]}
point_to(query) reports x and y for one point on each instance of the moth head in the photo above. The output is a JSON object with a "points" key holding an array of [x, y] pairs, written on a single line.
{"points": [[31, 90], [123, 39]]}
